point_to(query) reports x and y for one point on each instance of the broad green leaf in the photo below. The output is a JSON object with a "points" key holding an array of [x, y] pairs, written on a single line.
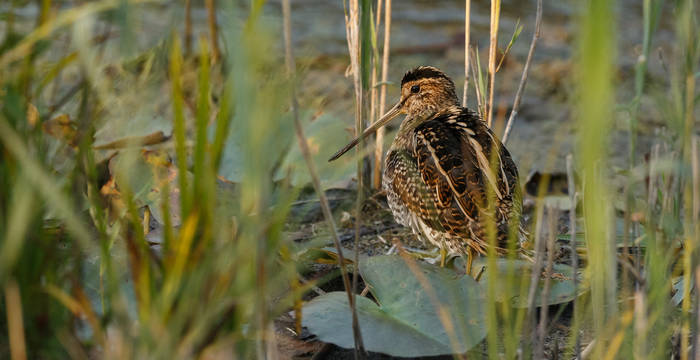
{"points": [[519, 272], [406, 321], [324, 136], [639, 241], [231, 160], [134, 109]]}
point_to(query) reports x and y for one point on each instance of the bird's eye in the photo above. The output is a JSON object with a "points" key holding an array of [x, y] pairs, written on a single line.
{"points": [[415, 89]]}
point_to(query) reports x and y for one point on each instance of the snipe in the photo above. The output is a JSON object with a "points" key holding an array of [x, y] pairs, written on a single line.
{"points": [[446, 175]]}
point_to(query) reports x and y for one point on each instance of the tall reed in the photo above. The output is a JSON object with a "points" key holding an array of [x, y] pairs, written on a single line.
{"points": [[493, 46], [596, 55], [379, 146]]}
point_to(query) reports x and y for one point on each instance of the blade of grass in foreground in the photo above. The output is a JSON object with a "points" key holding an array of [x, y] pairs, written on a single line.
{"points": [[650, 11], [202, 118], [179, 124], [687, 29], [594, 108], [41, 181], [15, 324]]}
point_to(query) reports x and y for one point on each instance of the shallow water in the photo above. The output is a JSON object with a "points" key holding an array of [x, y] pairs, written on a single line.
{"points": [[431, 33], [428, 32]]}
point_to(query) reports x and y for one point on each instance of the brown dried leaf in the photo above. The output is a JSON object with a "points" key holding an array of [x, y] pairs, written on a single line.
{"points": [[147, 176], [32, 115], [113, 198], [62, 128], [135, 141]]}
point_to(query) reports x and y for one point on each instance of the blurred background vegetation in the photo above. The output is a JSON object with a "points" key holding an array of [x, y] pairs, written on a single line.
{"points": [[155, 202]]}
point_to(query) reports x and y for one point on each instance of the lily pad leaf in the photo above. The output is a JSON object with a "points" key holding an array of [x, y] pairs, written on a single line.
{"points": [[639, 240], [323, 136], [514, 283], [407, 321]]}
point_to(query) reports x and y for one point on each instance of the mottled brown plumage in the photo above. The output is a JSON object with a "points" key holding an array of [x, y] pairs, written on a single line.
{"points": [[447, 176]]}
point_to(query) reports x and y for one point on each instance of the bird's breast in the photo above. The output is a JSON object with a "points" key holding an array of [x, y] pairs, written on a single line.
{"points": [[408, 195]]}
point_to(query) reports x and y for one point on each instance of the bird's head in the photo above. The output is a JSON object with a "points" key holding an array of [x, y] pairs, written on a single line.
{"points": [[425, 90]]}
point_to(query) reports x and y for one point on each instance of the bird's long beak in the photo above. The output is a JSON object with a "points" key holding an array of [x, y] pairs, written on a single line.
{"points": [[396, 110]]}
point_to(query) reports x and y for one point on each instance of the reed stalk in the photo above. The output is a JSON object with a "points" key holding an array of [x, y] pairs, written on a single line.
{"points": [[695, 233], [688, 28], [379, 146], [364, 32], [188, 27], [650, 13], [374, 91], [539, 249], [493, 47], [213, 30], [303, 145], [573, 196], [467, 30], [15, 323], [526, 70], [354, 18], [478, 83], [552, 215]]}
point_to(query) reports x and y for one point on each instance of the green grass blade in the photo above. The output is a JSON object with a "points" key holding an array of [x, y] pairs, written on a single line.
{"points": [[179, 124]]}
